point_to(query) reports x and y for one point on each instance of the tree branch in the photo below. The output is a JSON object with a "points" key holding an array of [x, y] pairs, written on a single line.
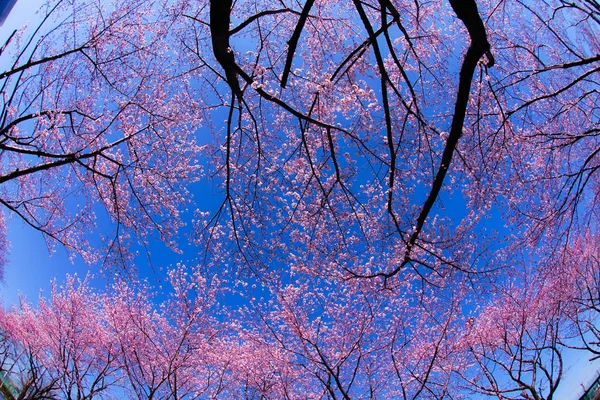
{"points": [[220, 14], [293, 42]]}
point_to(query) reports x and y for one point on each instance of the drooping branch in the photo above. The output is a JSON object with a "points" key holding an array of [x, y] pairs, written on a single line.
{"points": [[466, 10], [293, 42], [70, 158], [385, 80]]}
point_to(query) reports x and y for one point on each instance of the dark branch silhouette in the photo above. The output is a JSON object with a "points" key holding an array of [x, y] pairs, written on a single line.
{"points": [[220, 14], [466, 11], [293, 42]]}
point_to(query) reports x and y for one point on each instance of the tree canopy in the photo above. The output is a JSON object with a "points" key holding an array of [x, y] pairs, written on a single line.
{"points": [[406, 196]]}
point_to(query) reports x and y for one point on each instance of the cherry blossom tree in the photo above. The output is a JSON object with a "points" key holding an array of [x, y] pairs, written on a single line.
{"points": [[515, 347], [64, 344], [355, 190], [82, 344], [22, 376], [91, 115], [170, 352], [516, 343], [407, 192], [306, 342], [304, 153]]}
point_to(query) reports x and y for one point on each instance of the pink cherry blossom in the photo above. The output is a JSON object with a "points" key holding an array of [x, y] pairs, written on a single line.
{"points": [[403, 196]]}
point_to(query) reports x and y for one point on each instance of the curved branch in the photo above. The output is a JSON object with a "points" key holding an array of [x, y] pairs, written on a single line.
{"points": [[466, 10], [293, 42]]}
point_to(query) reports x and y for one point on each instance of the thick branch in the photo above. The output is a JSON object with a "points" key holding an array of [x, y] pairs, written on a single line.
{"points": [[466, 10], [293, 42], [220, 14]]}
